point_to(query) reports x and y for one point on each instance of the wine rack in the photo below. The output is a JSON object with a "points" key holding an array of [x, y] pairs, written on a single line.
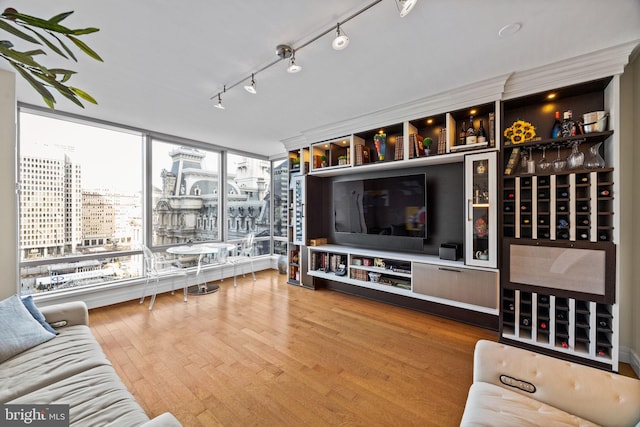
{"points": [[561, 324], [565, 206]]}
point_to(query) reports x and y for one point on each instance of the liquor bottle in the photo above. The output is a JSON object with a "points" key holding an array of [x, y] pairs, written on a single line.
{"points": [[482, 136], [471, 132], [568, 125], [556, 130], [462, 138]]}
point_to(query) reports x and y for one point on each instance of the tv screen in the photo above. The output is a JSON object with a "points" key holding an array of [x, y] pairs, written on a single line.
{"points": [[394, 206]]}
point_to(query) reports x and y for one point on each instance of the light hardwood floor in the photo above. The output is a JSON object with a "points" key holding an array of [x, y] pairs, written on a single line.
{"points": [[270, 354]]}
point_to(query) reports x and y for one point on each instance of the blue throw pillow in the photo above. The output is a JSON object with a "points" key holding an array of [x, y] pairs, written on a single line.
{"points": [[35, 312], [20, 331]]}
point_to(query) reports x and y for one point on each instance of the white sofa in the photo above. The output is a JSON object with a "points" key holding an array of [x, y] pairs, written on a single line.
{"points": [[516, 387], [72, 369]]}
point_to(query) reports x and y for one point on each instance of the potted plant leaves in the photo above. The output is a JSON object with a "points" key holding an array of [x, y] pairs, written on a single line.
{"points": [[427, 144]]}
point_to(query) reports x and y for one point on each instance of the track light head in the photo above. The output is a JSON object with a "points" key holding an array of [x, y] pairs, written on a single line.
{"points": [[252, 87], [405, 6], [219, 104], [293, 67], [341, 41]]}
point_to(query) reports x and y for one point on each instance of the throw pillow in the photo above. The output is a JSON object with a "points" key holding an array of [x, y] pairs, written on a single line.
{"points": [[19, 331], [37, 314]]}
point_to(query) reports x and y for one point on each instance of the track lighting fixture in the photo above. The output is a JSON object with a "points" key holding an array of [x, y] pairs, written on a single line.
{"points": [[293, 67], [252, 87], [405, 6], [219, 104], [284, 51], [341, 41]]}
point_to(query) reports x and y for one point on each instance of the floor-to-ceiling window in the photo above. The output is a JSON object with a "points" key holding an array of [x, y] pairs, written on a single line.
{"points": [[185, 201], [88, 201], [80, 203]]}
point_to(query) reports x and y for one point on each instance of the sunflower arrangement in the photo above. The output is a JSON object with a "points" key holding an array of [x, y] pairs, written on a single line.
{"points": [[519, 132]]}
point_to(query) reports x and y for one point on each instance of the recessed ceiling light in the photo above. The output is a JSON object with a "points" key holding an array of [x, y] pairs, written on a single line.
{"points": [[551, 96], [509, 29]]}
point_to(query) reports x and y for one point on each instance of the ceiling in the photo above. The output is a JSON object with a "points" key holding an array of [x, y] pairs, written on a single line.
{"points": [[164, 60]]}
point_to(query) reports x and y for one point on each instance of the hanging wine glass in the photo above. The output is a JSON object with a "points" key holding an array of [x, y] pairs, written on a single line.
{"points": [[559, 164], [576, 158], [531, 164], [543, 164]]}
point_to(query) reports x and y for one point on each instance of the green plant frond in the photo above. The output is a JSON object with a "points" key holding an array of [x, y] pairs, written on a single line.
{"points": [[59, 17], [86, 49], [21, 18], [64, 46], [84, 95], [63, 90], [18, 56], [49, 44], [39, 87], [16, 32], [83, 31], [35, 52], [66, 74]]}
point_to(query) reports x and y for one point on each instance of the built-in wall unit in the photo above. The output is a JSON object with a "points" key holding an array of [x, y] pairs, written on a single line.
{"points": [[477, 205]]}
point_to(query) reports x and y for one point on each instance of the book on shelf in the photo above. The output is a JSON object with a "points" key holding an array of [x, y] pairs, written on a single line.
{"points": [[362, 154], [419, 141], [399, 152], [512, 164], [442, 141]]}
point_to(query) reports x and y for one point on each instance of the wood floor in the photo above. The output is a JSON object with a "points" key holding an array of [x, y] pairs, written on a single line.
{"points": [[271, 354]]}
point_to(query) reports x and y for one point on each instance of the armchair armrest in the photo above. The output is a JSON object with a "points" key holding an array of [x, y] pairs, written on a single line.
{"points": [[66, 314]]}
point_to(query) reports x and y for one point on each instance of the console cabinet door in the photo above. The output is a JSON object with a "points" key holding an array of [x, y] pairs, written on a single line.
{"points": [[481, 225], [477, 287]]}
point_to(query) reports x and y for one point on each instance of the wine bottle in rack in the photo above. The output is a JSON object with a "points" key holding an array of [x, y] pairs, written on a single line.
{"points": [[526, 321], [604, 193], [603, 235]]}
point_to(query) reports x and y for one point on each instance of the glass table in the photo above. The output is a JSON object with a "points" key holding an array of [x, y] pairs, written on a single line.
{"points": [[219, 250]]}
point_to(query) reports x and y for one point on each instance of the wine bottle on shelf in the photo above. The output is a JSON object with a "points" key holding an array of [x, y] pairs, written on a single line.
{"points": [[568, 125], [462, 138], [563, 194], [603, 323], [563, 235], [604, 193], [584, 206], [583, 236], [482, 136], [603, 235], [507, 208], [556, 130], [584, 221], [560, 315], [471, 132], [526, 321]]}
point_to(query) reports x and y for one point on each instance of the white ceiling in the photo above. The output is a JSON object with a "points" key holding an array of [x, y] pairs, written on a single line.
{"points": [[164, 60]]}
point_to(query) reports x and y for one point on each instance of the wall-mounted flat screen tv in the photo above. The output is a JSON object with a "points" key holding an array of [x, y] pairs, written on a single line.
{"points": [[394, 206]]}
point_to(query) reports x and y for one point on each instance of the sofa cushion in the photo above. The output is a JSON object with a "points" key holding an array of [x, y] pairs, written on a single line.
{"points": [[492, 405], [74, 350], [19, 331], [37, 314], [96, 397]]}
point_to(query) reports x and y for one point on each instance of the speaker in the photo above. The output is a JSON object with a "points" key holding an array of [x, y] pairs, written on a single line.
{"points": [[450, 251]]}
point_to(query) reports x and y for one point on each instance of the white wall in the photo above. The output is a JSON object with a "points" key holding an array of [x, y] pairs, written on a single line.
{"points": [[8, 220]]}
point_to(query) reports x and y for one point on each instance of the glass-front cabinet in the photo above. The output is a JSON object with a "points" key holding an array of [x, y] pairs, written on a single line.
{"points": [[481, 210]]}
